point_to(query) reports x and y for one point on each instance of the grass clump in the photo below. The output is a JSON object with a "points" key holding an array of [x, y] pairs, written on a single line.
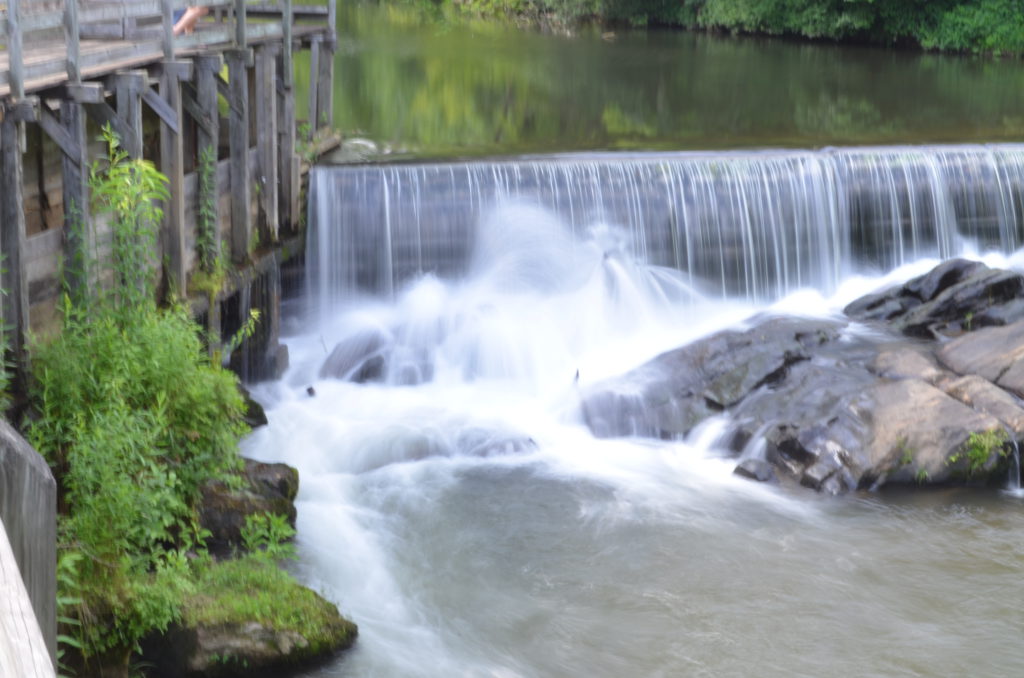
{"points": [[254, 588]]}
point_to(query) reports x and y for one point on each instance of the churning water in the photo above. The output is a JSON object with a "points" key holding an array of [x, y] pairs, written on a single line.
{"points": [[460, 512]]}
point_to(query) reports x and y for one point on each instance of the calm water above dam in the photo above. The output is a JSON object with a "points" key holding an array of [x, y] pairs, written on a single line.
{"points": [[459, 510], [434, 89]]}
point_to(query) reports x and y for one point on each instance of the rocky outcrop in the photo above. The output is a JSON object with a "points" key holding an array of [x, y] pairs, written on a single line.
{"points": [[957, 295], [263, 488], [834, 408], [247, 649], [267, 636], [669, 396]]}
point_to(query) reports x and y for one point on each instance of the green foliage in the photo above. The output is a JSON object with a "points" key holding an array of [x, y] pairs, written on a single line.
{"points": [[957, 25], [206, 215], [980, 449], [268, 535], [129, 191], [134, 418], [252, 588]]}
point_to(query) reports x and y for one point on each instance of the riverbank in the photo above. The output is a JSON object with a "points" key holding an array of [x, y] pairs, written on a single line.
{"points": [[972, 26]]}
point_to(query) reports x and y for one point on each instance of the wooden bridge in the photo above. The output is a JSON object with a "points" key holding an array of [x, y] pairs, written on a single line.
{"points": [[225, 91]]}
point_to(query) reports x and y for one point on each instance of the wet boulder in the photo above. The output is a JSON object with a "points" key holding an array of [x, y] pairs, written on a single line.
{"points": [[954, 297], [668, 396], [360, 357]]}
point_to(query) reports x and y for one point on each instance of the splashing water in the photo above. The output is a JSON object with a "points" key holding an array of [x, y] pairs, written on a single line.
{"points": [[457, 509]]}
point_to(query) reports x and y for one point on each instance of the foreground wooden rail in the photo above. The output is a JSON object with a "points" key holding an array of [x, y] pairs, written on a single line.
{"points": [[224, 92]]}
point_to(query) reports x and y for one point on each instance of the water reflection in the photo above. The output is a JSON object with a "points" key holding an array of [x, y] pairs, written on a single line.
{"points": [[485, 89]]}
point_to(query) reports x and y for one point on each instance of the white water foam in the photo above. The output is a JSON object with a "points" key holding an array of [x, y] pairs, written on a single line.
{"points": [[471, 524]]}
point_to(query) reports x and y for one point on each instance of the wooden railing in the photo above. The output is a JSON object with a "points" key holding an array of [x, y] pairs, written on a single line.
{"points": [[147, 24]]}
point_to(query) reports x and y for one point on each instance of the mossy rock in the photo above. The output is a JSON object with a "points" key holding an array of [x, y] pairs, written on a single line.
{"points": [[261, 488], [249, 618]]}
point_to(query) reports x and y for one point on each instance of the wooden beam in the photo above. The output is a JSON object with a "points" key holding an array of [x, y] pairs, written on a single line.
{"points": [[266, 142], [68, 144], [164, 110], [240, 32], [325, 88], [238, 137], [78, 233], [289, 198], [314, 82], [128, 88], [15, 49], [207, 69], [71, 34], [172, 164], [23, 647], [167, 39], [103, 114], [286, 60], [332, 22], [182, 70], [12, 242], [224, 90], [191, 104], [83, 93], [26, 110]]}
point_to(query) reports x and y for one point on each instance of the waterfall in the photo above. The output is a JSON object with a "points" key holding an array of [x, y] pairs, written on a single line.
{"points": [[752, 224]]}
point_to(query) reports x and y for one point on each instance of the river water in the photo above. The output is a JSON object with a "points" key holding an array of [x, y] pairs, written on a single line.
{"points": [[459, 510]]}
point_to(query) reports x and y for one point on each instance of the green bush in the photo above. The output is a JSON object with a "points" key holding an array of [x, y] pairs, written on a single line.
{"points": [[134, 418]]}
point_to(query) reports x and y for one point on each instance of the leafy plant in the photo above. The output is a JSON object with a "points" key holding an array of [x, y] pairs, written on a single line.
{"points": [[268, 535], [206, 216], [980, 448], [130, 192], [134, 418]]}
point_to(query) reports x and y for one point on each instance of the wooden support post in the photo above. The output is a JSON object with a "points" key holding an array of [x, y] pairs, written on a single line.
{"points": [[172, 165], [207, 141], [325, 100], [240, 37], [266, 142], [287, 17], [325, 88], [75, 179], [129, 87], [288, 162], [71, 40], [15, 50], [12, 243], [238, 138], [167, 38], [314, 81]]}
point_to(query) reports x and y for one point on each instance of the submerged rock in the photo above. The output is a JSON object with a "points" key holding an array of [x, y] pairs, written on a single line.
{"points": [[360, 357]]}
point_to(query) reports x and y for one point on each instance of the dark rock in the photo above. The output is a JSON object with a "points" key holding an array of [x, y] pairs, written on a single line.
{"points": [[756, 469], [942, 277], [361, 357], [956, 296], [668, 396], [265, 488], [254, 414], [997, 316], [955, 307]]}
